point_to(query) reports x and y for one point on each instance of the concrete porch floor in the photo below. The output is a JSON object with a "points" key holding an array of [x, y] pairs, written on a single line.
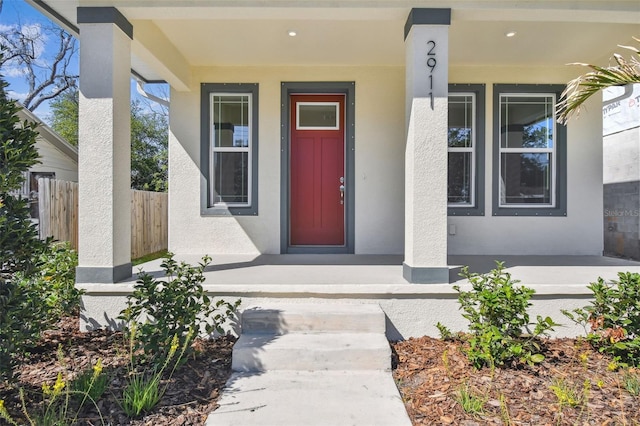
{"points": [[374, 270], [560, 282]]}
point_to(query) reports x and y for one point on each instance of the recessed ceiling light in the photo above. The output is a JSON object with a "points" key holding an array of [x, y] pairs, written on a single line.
{"points": [[292, 33], [510, 34]]}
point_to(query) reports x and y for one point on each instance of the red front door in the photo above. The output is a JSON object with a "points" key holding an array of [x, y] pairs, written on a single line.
{"points": [[317, 170]]}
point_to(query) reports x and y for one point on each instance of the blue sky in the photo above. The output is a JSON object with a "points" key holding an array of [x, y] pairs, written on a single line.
{"points": [[22, 14], [19, 13]]}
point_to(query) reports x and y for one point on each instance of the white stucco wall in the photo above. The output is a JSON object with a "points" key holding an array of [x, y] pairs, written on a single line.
{"points": [[379, 159], [581, 231], [379, 163]]}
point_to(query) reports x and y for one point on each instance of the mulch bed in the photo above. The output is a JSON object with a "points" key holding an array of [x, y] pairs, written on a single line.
{"points": [[190, 397], [429, 373]]}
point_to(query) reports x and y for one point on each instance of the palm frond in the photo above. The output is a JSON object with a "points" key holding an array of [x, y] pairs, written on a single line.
{"points": [[578, 90]]}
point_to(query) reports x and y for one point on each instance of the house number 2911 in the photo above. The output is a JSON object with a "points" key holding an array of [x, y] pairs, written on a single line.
{"points": [[431, 64]]}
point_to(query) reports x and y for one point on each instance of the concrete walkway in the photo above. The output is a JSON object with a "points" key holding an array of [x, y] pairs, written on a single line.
{"points": [[306, 365]]}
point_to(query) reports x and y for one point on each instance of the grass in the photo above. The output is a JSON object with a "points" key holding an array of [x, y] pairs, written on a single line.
{"points": [[470, 401], [149, 257]]}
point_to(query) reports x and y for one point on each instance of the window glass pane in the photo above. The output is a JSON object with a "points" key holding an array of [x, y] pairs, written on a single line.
{"points": [[318, 115], [526, 122], [460, 178], [460, 121], [525, 178], [231, 177], [231, 120]]}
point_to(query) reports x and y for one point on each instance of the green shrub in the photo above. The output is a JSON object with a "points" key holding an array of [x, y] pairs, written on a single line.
{"points": [[613, 317], [18, 236], [21, 317], [160, 309], [56, 280], [498, 320]]}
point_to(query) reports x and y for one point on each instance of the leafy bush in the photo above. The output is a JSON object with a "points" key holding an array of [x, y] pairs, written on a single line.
{"points": [[56, 280], [497, 313], [613, 317], [20, 312], [161, 309], [18, 236], [22, 318]]}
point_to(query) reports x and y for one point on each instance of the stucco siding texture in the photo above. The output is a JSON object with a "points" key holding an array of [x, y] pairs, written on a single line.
{"points": [[379, 159], [379, 169]]}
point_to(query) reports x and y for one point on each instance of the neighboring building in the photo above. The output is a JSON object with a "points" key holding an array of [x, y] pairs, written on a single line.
{"points": [[423, 129], [621, 148], [58, 160]]}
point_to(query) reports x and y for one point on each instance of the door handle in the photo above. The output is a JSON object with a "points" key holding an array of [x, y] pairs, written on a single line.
{"points": [[341, 194]]}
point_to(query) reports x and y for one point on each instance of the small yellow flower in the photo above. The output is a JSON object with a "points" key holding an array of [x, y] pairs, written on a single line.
{"points": [[58, 385], [174, 344], [600, 384], [46, 389], [97, 369]]}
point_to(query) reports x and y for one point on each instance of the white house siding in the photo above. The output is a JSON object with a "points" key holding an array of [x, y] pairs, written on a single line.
{"points": [[379, 159], [53, 160], [581, 231]]}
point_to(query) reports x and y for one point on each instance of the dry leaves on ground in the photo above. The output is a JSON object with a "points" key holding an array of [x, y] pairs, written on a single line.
{"points": [[191, 395], [573, 386]]}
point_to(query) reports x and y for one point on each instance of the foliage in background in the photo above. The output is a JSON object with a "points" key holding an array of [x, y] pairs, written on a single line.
{"points": [[64, 115], [582, 88], [149, 139], [149, 142], [499, 324], [160, 309], [613, 317]]}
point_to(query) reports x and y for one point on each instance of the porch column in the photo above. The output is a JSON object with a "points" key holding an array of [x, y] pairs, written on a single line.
{"points": [[104, 166], [426, 53]]}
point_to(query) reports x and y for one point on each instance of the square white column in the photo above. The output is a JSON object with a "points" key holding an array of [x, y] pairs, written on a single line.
{"points": [[104, 166], [427, 47]]}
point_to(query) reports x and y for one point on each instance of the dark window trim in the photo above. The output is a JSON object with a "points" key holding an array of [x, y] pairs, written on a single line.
{"points": [[560, 208], [478, 208], [287, 89], [206, 208]]}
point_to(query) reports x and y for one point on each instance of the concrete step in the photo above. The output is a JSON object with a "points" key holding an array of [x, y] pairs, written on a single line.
{"points": [[310, 398], [312, 351], [313, 318]]}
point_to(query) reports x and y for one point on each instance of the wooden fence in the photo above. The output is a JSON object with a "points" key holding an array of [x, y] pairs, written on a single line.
{"points": [[58, 206]]}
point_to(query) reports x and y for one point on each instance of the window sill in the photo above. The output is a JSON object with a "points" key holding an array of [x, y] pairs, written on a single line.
{"points": [[229, 211], [531, 211]]}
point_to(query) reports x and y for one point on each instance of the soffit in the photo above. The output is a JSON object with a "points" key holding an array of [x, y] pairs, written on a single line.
{"points": [[363, 32]]}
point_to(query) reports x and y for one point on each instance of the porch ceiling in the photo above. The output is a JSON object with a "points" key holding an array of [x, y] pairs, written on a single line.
{"points": [[350, 32]]}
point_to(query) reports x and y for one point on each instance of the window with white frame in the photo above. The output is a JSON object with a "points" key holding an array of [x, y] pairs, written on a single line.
{"points": [[530, 151], [465, 185], [229, 136], [461, 139], [230, 149]]}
